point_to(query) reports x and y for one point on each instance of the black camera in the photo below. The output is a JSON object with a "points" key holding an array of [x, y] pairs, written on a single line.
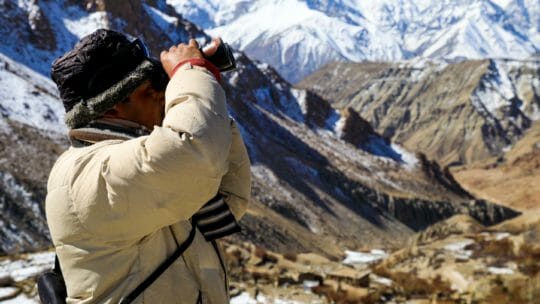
{"points": [[223, 58]]}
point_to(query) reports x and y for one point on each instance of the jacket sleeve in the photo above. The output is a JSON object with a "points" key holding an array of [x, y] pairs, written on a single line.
{"points": [[236, 184], [157, 180]]}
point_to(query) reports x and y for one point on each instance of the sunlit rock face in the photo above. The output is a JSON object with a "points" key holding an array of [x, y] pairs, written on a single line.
{"points": [[456, 113]]}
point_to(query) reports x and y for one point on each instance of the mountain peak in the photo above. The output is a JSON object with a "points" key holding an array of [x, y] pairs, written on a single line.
{"points": [[311, 33]]}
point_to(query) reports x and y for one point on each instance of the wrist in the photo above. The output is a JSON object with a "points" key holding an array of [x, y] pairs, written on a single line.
{"points": [[199, 62]]}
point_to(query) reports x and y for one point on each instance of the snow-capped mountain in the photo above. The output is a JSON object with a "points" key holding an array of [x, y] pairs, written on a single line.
{"points": [[298, 37]]}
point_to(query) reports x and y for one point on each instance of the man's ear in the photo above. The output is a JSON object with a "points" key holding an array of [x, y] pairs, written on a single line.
{"points": [[119, 109], [112, 112]]}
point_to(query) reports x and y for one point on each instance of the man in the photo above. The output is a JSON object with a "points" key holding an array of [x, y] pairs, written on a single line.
{"points": [[135, 184]]}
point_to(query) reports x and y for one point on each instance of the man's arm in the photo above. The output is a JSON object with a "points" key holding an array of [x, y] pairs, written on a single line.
{"points": [[236, 184]]}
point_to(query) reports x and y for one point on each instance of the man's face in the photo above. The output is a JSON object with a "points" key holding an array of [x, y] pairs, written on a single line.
{"points": [[145, 106]]}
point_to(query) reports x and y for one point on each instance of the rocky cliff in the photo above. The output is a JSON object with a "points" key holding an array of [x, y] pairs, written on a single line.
{"points": [[455, 113]]}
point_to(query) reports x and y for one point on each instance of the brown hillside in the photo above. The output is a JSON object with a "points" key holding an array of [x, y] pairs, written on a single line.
{"points": [[513, 180], [455, 113]]}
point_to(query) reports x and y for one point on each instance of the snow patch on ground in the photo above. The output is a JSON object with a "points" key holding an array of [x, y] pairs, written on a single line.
{"points": [[265, 174], [86, 24], [8, 292], [501, 270], [165, 22], [381, 148], [458, 246], [243, 298], [246, 298], [408, 158], [308, 284], [458, 249], [459, 282], [355, 257], [29, 98], [501, 235], [339, 125], [29, 266], [381, 280], [386, 151], [495, 236], [300, 96], [24, 267], [498, 90], [22, 299]]}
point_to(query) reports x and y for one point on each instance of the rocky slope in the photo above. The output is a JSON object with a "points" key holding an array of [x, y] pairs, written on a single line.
{"points": [[456, 113], [318, 186], [26, 153], [518, 169]]}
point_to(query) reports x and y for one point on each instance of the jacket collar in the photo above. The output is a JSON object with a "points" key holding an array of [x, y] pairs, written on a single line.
{"points": [[106, 129]]}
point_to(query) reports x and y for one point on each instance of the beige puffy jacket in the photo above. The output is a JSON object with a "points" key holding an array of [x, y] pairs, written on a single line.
{"points": [[117, 209]]}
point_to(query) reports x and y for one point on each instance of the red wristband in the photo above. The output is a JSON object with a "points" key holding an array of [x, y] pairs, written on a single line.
{"points": [[202, 63]]}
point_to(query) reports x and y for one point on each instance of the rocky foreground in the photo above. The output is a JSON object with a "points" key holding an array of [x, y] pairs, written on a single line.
{"points": [[455, 261]]}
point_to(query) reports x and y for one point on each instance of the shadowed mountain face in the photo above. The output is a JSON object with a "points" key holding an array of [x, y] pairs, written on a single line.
{"points": [[318, 183], [456, 113]]}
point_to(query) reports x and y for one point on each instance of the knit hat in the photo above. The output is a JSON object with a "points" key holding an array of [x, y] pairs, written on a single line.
{"points": [[103, 69]]}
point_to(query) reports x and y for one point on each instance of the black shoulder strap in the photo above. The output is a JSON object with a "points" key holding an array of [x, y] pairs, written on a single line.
{"points": [[161, 269], [57, 268]]}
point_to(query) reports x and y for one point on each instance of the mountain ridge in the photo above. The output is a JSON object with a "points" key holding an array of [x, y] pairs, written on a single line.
{"points": [[456, 113], [311, 33]]}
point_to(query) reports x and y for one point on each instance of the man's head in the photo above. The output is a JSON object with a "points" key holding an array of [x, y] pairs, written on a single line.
{"points": [[107, 74]]}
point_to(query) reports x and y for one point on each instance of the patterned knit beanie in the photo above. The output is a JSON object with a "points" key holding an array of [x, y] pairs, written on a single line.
{"points": [[103, 69]]}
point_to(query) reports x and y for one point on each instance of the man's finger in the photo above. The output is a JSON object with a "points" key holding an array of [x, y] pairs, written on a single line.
{"points": [[193, 42], [212, 47]]}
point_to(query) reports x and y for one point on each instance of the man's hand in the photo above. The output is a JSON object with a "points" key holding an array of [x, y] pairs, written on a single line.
{"points": [[212, 47], [178, 53]]}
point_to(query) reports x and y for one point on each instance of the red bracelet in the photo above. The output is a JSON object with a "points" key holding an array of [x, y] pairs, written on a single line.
{"points": [[202, 63]]}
